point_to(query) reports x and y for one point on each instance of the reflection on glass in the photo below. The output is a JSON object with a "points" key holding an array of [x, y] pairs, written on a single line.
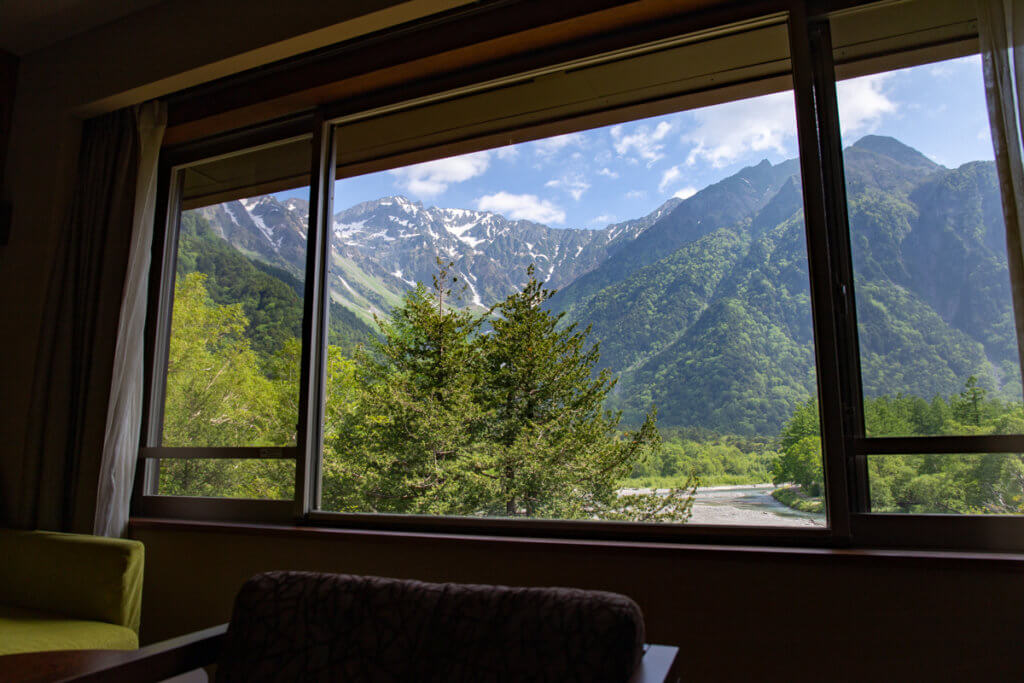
{"points": [[961, 484], [937, 342], [492, 313]]}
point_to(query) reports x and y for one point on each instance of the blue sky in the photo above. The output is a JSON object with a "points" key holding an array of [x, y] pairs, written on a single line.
{"points": [[604, 175]]}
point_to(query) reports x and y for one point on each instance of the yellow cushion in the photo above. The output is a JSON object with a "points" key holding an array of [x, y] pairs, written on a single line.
{"points": [[28, 630], [71, 575]]}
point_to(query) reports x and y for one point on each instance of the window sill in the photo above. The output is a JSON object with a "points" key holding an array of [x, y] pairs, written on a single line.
{"points": [[932, 559]]}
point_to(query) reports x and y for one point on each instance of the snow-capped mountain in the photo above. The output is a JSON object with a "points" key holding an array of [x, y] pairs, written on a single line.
{"points": [[382, 248]]}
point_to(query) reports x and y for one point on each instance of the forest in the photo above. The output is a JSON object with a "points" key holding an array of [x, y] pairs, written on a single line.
{"points": [[434, 416], [440, 410]]}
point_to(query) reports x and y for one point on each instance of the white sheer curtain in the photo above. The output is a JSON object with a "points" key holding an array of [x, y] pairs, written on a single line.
{"points": [[1001, 30], [124, 412]]}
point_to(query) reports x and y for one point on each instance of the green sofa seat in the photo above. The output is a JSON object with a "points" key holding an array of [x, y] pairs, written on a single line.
{"points": [[30, 630], [68, 592]]}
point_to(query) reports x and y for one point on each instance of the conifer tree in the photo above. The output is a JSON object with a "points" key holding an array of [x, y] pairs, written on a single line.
{"points": [[554, 449], [408, 444]]}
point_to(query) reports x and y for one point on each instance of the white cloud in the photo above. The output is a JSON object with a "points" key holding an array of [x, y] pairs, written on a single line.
{"points": [[507, 153], [548, 146], [604, 219], [521, 206], [726, 132], [575, 185], [608, 173], [671, 177], [636, 194], [668, 177], [862, 104], [433, 177], [643, 141]]}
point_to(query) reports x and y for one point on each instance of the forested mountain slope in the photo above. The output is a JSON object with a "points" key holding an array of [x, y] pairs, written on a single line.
{"points": [[717, 333], [702, 307]]}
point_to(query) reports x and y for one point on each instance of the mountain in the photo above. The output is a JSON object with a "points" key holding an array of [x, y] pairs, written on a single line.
{"points": [[382, 248], [702, 307], [717, 332]]}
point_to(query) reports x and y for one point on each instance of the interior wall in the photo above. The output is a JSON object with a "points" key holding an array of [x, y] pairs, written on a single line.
{"points": [[736, 614], [149, 54]]}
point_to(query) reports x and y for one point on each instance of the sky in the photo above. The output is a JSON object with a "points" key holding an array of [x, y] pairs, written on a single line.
{"points": [[596, 177]]}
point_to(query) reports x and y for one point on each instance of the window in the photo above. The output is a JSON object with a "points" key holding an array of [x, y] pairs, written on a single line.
{"points": [[233, 354], [592, 295], [937, 345], [516, 299]]}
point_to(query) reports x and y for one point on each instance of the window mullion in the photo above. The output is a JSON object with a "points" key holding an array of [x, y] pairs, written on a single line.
{"points": [[314, 323], [814, 81]]}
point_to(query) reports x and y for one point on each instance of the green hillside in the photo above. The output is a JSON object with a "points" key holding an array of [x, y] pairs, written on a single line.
{"points": [[717, 333]]}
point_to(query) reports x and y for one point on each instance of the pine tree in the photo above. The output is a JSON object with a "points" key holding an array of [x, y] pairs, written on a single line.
{"points": [[408, 445], [552, 448]]}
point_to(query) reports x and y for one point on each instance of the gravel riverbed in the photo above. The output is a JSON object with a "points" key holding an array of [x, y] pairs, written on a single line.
{"points": [[750, 505]]}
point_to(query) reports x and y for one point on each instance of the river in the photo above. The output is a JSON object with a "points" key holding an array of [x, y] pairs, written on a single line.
{"points": [[750, 505]]}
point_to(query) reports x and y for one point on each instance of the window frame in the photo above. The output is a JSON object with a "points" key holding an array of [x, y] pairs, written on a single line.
{"points": [[844, 444]]}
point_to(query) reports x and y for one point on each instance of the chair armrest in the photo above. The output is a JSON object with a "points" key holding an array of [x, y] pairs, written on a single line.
{"points": [[74, 575], [162, 660], [659, 665], [189, 652]]}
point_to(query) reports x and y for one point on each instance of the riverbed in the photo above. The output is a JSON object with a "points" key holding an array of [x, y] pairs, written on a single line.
{"points": [[750, 505]]}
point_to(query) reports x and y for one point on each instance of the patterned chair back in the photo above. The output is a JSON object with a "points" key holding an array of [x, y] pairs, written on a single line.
{"points": [[303, 626]]}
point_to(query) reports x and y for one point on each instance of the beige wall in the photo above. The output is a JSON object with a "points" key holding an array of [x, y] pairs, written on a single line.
{"points": [[157, 51], [753, 615]]}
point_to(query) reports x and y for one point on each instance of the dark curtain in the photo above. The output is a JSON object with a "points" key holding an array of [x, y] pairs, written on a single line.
{"points": [[71, 387]]}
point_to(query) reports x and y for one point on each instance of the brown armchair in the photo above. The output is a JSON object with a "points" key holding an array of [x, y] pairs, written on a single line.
{"points": [[302, 626]]}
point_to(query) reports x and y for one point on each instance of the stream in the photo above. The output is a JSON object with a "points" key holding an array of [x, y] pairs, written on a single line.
{"points": [[748, 505]]}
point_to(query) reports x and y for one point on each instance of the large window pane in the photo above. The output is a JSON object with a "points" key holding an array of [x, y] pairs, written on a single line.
{"points": [[937, 343], [491, 314]]}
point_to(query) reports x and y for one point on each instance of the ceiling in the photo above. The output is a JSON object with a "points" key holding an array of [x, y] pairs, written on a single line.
{"points": [[30, 25]]}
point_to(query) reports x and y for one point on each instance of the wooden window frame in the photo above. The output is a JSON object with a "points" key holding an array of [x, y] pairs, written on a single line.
{"points": [[844, 444]]}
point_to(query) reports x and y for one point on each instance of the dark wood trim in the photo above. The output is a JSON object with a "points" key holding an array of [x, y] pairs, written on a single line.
{"points": [[180, 655], [1011, 561], [915, 445], [220, 453], [998, 533], [588, 47], [162, 660], [8, 90], [577, 529], [239, 140], [324, 72], [438, 34], [234, 509]]}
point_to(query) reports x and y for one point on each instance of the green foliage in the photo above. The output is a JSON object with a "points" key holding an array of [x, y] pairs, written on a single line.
{"points": [[218, 395], [716, 459], [446, 420], [270, 297], [949, 483], [792, 496]]}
